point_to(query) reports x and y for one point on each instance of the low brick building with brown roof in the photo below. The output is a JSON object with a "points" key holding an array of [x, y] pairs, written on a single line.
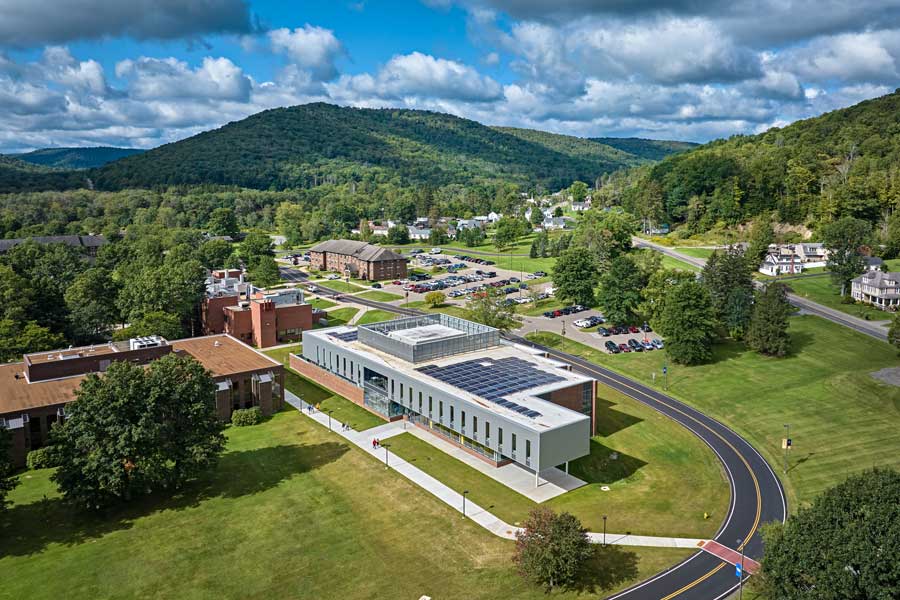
{"points": [[34, 392], [357, 259]]}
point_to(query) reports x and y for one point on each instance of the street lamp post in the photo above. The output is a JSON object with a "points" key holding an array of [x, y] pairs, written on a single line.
{"points": [[604, 530], [741, 584], [464, 494], [787, 436], [329, 419], [386, 465]]}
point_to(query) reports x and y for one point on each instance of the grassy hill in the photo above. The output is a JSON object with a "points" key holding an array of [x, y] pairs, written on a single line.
{"points": [[76, 158], [842, 163], [302, 146]]}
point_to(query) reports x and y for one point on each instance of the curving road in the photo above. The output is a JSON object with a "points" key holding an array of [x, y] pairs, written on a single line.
{"points": [[756, 493], [814, 308]]}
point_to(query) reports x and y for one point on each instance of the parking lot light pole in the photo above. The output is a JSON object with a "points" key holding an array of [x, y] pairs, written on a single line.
{"points": [[464, 494], [329, 419], [741, 584], [787, 436], [604, 531]]}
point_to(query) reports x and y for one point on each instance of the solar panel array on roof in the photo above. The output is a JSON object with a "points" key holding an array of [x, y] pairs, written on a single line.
{"points": [[493, 379], [347, 336]]}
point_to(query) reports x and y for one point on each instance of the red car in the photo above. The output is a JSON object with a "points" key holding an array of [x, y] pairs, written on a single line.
{"points": [[633, 329], [624, 347], [397, 282]]}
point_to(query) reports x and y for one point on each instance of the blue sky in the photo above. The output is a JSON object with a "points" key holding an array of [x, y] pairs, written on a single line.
{"points": [[145, 72]]}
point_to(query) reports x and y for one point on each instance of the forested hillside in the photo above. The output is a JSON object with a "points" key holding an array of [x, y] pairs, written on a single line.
{"points": [[843, 163], [76, 158], [303, 146], [18, 175], [647, 150]]}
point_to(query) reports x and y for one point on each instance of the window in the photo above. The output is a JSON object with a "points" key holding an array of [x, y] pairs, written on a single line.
{"points": [[410, 396], [475, 425], [527, 449], [344, 366], [487, 430], [440, 409], [463, 419], [499, 436], [401, 391], [392, 387], [514, 443], [430, 405], [420, 402], [451, 414]]}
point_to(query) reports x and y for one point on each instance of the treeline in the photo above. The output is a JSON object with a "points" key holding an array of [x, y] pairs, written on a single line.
{"points": [[842, 164]]}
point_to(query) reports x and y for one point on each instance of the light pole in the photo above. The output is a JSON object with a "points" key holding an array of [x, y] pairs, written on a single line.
{"points": [[329, 419], [385, 456], [666, 377], [604, 531], [741, 585], [465, 493], [787, 437]]}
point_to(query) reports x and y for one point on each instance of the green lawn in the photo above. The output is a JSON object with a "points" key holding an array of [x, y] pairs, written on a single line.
{"points": [[322, 303], [281, 354], [449, 309], [822, 290], [696, 252], [661, 480], [540, 307], [379, 296], [342, 409], [673, 263], [842, 420], [341, 286], [375, 316], [292, 511], [340, 316]]}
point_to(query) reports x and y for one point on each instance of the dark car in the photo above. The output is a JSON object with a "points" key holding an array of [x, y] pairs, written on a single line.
{"points": [[376, 285], [605, 333], [646, 327], [624, 348], [550, 314], [612, 348], [635, 345]]}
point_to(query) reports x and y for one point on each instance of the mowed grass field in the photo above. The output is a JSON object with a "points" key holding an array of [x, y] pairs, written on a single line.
{"points": [[376, 315], [822, 290], [282, 355], [342, 410], [292, 511], [842, 420], [661, 477], [380, 296]]}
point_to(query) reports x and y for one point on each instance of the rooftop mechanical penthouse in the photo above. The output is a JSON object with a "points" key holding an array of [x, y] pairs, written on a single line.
{"points": [[500, 401]]}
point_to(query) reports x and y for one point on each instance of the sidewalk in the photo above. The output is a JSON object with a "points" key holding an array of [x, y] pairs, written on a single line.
{"points": [[363, 440]]}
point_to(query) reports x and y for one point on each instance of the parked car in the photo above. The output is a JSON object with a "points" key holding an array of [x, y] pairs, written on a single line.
{"points": [[633, 329], [624, 348], [646, 327], [612, 348], [605, 333], [648, 345], [582, 323], [635, 345], [376, 285], [550, 314], [657, 343], [434, 251], [539, 274], [333, 277]]}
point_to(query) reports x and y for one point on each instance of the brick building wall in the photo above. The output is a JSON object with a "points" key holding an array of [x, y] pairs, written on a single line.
{"points": [[341, 386]]}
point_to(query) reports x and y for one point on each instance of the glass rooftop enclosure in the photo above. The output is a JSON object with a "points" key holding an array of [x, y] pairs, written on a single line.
{"points": [[427, 337]]}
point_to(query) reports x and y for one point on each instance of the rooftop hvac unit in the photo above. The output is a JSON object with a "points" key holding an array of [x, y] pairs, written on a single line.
{"points": [[149, 341]]}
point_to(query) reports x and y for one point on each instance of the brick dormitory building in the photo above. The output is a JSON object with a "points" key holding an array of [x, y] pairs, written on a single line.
{"points": [[357, 259], [34, 392], [262, 318]]}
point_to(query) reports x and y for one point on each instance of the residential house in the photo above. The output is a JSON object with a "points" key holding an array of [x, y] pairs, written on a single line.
{"points": [[781, 264], [879, 288]]}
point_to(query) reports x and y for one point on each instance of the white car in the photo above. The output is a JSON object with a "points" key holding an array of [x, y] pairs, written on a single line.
{"points": [[582, 323], [333, 276], [435, 251]]}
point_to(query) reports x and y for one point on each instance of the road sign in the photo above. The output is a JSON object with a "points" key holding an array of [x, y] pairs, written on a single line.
{"points": [[787, 443], [665, 370], [738, 570]]}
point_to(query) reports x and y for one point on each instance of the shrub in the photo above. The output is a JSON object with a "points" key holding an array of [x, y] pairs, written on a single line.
{"points": [[42, 458], [246, 416]]}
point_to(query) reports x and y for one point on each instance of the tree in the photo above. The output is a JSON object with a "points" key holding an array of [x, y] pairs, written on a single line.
{"points": [[289, 218], [489, 308], [575, 277], [435, 298], [846, 546], [657, 289], [398, 234], [8, 477], [894, 331], [136, 430], [256, 244], [159, 323], [264, 272], [214, 254], [508, 231], [768, 333], [550, 547], [23, 337], [222, 222], [843, 239], [537, 217], [729, 279], [606, 234], [438, 236], [578, 190], [761, 235], [688, 324], [91, 300], [621, 290]]}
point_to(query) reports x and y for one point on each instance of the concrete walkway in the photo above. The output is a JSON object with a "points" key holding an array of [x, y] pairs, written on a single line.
{"points": [[454, 500]]}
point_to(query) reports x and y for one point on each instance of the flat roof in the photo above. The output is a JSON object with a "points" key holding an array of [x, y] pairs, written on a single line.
{"points": [[425, 333], [550, 415], [17, 395], [57, 355]]}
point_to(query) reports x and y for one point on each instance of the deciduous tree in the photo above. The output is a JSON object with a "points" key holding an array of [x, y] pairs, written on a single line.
{"points": [[687, 323], [606, 234], [91, 300], [222, 222], [488, 307], [844, 239], [8, 477], [435, 298], [575, 277], [550, 548], [621, 288]]}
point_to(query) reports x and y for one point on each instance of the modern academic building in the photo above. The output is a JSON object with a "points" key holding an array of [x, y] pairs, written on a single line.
{"points": [[34, 392], [500, 401]]}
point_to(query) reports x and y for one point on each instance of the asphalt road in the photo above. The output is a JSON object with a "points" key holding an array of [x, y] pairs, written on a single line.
{"points": [[756, 493], [813, 308], [292, 275]]}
